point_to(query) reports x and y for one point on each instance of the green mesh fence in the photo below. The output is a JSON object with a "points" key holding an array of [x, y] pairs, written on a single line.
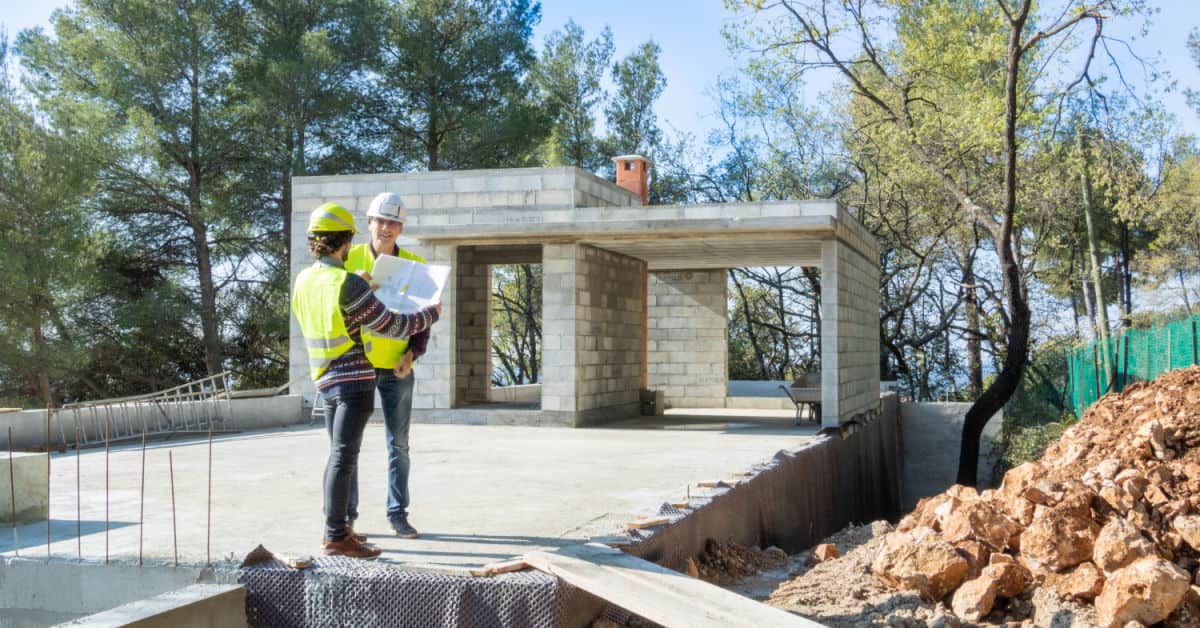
{"points": [[1135, 355]]}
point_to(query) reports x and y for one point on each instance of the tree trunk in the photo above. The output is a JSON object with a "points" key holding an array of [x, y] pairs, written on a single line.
{"points": [[1085, 182], [758, 353], [40, 354], [1009, 377], [974, 346], [208, 299], [1126, 277]]}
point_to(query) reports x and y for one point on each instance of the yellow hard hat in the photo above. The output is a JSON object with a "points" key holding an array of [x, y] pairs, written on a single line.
{"points": [[331, 217]]}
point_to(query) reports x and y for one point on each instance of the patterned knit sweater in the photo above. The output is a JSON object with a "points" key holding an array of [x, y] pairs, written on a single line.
{"points": [[351, 372]]}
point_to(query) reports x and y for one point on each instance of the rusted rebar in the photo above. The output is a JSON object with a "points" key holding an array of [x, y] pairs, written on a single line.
{"points": [[78, 498], [106, 452], [174, 530], [208, 542], [12, 486], [142, 501], [47, 482]]}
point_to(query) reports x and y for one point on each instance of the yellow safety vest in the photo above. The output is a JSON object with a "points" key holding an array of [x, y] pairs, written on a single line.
{"points": [[383, 352], [316, 301]]}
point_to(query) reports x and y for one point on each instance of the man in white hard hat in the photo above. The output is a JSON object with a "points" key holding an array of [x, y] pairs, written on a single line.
{"points": [[393, 362]]}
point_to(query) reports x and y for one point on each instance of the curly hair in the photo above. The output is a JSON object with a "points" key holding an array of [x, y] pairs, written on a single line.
{"points": [[325, 243]]}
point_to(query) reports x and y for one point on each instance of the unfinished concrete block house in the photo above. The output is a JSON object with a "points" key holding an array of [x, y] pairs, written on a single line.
{"points": [[634, 295]]}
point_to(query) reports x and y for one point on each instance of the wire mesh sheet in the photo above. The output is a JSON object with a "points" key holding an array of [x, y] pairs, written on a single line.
{"points": [[339, 591]]}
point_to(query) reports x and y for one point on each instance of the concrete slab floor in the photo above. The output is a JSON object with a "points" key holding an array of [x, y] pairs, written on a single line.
{"points": [[480, 493]]}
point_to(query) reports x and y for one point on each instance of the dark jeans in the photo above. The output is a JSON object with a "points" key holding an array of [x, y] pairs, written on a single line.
{"points": [[345, 419], [396, 395]]}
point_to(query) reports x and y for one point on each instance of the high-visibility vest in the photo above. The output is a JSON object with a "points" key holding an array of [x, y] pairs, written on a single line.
{"points": [[383, 352], [316, 301]]}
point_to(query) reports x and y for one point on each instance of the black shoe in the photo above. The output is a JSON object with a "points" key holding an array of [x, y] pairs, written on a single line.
{"points": [[402, 528]]}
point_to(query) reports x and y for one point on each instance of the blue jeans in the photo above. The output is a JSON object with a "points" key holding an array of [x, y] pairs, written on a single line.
{"points": [[345, 419], [396, 396]]}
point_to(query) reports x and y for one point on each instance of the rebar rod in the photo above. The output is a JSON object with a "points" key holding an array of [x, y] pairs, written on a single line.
{"points": [[208, 541], [142, 502], [174, 529], [78, 499], [12, 487], [106, 453], [47, 482]]}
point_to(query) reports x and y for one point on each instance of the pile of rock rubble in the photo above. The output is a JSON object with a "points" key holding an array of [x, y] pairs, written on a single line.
{"points": [[1110, 515]]}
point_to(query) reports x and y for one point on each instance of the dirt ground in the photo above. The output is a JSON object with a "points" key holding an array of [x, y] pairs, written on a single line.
{"points": [[842, 593]]}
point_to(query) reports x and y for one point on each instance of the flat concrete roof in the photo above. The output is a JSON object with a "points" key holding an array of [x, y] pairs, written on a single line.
{"points": [[668, 237], [480, 493]]}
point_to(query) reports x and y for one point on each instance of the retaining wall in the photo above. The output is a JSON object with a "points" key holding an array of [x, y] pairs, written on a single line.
{"points": [[931, 438], [798, 498]]}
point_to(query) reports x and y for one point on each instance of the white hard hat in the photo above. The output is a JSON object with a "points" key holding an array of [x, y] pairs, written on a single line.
{"points": [[387, 206]]}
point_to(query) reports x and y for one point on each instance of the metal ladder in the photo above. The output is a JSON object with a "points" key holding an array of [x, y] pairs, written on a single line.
{"points": [[197, 406]]}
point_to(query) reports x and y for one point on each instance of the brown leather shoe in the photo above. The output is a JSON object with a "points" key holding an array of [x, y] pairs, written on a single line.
{"points": [[361, 538], [351, 548]]}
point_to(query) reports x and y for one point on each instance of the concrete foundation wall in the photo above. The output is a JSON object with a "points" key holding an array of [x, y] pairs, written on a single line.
{"points": [[849, 334], [75, 588], [194, 606], [931, 434], [798, 498], [687, 348], [28, 487]]}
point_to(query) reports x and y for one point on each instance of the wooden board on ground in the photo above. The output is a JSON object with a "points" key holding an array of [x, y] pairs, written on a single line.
{"points": [[656, 593], [641, 524]]}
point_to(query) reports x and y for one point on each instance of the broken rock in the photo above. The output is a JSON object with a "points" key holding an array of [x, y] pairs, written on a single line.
{"points": [[1118, 544], [1146, 591], [975, 598], [920, 561], [823, 552], [1057, 540], [981, 521], [1012, 579], [1188, 527], [1084, 583]]}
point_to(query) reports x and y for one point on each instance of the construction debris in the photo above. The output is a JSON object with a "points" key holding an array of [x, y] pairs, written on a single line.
{"points": [[724, 563], [1109, 516]]}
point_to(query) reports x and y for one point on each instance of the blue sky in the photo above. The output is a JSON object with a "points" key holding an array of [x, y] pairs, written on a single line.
{"points": [[694, 53]]}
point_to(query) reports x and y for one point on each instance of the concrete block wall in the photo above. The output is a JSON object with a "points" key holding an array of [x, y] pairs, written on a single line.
{"points": [[434, 373], [608, 325], [473, 364], [560, 264], [687, 344], [438, 199], [591, 333], [849, 333]]}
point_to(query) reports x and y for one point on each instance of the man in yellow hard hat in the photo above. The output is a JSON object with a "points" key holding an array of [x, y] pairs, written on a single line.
{"points": [[393, 360], [333, 306]]}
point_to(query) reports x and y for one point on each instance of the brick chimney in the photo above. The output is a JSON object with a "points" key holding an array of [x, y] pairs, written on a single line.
{"points": [[633, 174]]}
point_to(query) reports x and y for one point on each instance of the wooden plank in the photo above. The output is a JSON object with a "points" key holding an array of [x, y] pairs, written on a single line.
{"points": [[641, 524], [507, 566], [657, 593]]}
